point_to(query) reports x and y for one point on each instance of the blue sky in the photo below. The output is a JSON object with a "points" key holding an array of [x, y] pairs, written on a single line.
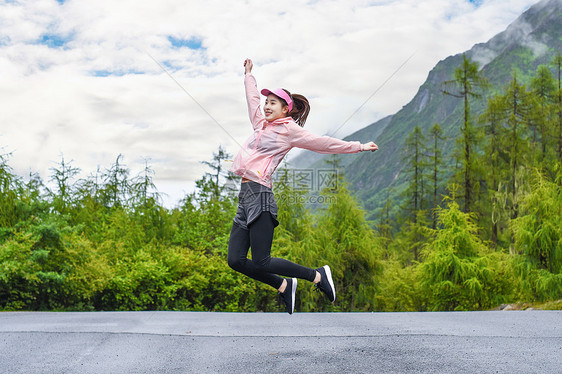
{"points": [[192, 42], [54, 40], [78, 77]]}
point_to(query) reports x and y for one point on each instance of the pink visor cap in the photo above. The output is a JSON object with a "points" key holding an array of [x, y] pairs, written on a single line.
{"points": [[279, 92]]}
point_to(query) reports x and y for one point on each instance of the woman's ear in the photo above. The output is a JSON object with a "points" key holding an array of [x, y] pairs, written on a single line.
{"points": [[285, 109]]}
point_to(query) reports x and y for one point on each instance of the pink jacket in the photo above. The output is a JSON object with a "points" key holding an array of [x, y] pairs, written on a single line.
{"points": [[271, 141]]}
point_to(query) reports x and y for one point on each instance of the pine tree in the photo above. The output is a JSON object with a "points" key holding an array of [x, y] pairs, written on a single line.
{"points": [[216, 164], [415, 159], [558, 68], [383, 227], [538, 230], [457, 271], [8, 195], [145, 201], [493, 117], [143, 189], [544, 88], [62, 177], [538, 235], [518, 109], [115, 191], [470, 83], [436, 133]]}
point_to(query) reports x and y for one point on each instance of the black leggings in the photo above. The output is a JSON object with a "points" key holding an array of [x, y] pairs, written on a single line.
{"points": [[262, 266]]}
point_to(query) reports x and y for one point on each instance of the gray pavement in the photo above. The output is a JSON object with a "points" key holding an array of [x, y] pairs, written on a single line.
{"points": [[197, 342]]}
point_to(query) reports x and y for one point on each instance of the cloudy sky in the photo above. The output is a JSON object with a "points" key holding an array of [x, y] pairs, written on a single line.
{"points": [[85, 79]]}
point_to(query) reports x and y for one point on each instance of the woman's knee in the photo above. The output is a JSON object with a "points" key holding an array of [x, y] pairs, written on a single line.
{"points": [[235, 263], [262, 263]]}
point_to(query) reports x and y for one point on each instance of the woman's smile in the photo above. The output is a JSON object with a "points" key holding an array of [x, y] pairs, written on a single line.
{"points": [[274, 108]]}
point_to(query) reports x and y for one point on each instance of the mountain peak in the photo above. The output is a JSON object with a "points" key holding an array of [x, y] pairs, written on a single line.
{"points": [[526, 30]]}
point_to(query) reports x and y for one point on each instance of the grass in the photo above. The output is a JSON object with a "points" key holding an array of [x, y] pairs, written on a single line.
{"points": [[547, 305]]}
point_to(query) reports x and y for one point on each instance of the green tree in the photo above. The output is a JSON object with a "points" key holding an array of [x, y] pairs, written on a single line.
{"points": [[18, 279], [469, 83], [415, 159], [538, 232], [384, 227], [518, 108], [538, 235], [543, 87], [143, 189], [145, 201], [436, 133], [8, 195], [558, 134], [62, 177], [115, 190], [458, 272], [216, 164], [493, 118]]}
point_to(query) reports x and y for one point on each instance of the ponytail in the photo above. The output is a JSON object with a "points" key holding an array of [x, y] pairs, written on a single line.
{"points": [[301, 108]]}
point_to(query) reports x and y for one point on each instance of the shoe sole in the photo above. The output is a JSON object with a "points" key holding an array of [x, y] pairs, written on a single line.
{"points": [[330, 280], [293, 293]]}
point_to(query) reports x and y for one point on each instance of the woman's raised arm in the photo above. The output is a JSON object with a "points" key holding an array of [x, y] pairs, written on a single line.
{"points": [[252, 96]]}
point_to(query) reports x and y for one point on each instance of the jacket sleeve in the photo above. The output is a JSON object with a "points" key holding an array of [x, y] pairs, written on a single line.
{"points": [[301, 138], [253, 100]]}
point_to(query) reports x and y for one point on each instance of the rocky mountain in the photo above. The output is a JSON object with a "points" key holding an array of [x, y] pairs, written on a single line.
{"points": [[532, 39]]}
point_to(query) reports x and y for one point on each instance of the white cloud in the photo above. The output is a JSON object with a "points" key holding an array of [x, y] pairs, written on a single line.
{"points": [[337, 53]]}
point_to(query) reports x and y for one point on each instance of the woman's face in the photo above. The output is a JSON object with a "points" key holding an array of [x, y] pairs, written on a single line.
{"points": [[274, 108]]}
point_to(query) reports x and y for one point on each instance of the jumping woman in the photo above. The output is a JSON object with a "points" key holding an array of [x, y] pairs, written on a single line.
{"points": [[278, 129]]}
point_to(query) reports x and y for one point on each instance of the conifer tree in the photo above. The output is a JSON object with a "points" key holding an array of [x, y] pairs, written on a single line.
{"points": [[544, 88], [457, 272], [518, 109], [145, 202], [538, 232], [558, 69], [383, 227], [62, 177], [493, 118], [8, 195], [469, 83], [414, 157], [436, 133], [116, 186], [538, 237], [216, 165], [143, 189]]}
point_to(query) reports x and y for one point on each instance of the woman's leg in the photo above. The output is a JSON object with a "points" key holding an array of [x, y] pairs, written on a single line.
{"points": [[238, 246], [261, 238]]}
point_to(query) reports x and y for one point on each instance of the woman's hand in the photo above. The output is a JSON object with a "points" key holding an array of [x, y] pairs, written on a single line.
{"points": [[248, 65], [369, 147]]}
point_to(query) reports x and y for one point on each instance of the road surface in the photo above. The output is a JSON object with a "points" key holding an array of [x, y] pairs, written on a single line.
{"points": [[198, 342]]}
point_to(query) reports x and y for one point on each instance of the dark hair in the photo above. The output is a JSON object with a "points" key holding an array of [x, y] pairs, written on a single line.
{"points": [[301, 108]]}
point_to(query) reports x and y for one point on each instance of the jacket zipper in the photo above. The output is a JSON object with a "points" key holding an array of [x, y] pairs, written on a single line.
{"points": [[265, 169]]}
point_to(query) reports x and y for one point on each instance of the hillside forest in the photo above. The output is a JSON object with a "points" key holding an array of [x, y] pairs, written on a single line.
{"points": [[472, 233]]}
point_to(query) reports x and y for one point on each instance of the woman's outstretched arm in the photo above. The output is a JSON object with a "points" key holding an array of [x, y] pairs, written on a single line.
{"points": [[252, 96], [302, 138]]}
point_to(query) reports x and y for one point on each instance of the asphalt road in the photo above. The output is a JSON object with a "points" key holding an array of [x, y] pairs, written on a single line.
{"points": [[192, 342]]}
